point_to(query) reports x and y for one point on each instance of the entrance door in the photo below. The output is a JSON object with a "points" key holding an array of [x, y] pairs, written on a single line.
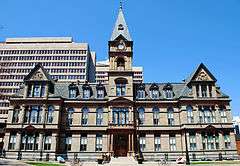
{"points": [[120, 145]]}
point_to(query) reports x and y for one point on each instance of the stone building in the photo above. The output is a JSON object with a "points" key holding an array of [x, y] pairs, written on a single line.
{"points": [[84, 120]]}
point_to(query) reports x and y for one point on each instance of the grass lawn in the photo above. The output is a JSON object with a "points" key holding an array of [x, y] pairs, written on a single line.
{"points": [[43, 164], [215, 162]]}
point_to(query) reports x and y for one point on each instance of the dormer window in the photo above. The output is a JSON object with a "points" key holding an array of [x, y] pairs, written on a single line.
{"points": [[73, 91], [36, 90], [141, 92], [100, 91], [154, 91], [168, 91], [86, 91]]}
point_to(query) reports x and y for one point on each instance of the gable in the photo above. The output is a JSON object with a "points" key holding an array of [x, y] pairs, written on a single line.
{"points": [[38, 73], [38, 76], [202, 74]]}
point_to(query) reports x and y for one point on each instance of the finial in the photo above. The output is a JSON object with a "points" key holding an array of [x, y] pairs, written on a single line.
{"points": [[121, 4]]}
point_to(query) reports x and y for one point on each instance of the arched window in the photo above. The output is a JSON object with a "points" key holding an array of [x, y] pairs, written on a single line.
{"points": [[141, 115], [50, 114], [121, 86], [120, 63], [70, 116], [34, 114], [168, 91], [155, 115], [16, 112], [154, 91], [208, 115], [141, 91], [189, 114], [99, 116], [170, 116], [85, 116]]}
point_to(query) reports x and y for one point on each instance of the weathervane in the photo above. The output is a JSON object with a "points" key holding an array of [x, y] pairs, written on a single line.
{"points": [[121, 4]]}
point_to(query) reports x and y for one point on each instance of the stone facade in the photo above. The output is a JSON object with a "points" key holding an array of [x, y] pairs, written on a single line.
{"points": [[122, 118]]}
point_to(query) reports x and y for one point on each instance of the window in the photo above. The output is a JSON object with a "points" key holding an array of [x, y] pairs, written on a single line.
{"points": [[141, 115], [86, 93], [99, 142], [189, 114], [157, 143], [156, 116], [206, 115], [120, 116], [36, 90], [83, 142], [142, 141], [172, 142], [70, 116], [100, 93], [120, 89], [204, 90], [68, 143], [227, 141], [84, 116], [47, 142], [217, 141], [16, 112], [169, 93], [99, 116], [141, 94], [50, 114], [210, 142], [12, 142], [33, 115], [154, 94], [223, 114], [30, 142], [120, 63], [170, 116], [192, 141], [72, 93]]}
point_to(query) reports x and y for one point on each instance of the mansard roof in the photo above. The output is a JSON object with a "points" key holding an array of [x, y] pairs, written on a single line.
{"points": [[120, 28]]}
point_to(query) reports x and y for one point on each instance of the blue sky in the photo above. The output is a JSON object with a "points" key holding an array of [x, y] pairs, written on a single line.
{"points": [[170, 37]]}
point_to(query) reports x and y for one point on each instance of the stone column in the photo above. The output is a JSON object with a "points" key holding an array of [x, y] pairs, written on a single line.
{"points": [[133, 147], [41, 139], [22, 114], [221, 141], [44, 113], [18, 141], [54, 142], [200, 91], [199, 141], [208, 91], [111, 146], [6, 141]]}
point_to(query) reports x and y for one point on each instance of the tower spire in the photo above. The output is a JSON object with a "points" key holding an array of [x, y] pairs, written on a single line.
{"points": [[120, 27]]}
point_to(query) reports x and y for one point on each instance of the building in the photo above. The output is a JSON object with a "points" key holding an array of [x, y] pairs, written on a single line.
{"points": [[123, 118], [236, 124], [102, 68], [62, 58]]}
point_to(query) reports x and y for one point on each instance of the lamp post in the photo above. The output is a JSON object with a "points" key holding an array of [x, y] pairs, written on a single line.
{"points": [[186, 146]]}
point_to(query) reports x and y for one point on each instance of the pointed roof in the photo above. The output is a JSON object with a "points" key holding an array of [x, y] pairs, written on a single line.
{"points": [[201, 66], [37, 68], [120, 27]]}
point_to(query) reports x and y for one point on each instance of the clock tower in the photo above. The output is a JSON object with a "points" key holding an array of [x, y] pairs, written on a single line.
{"points": [[120, 49]]}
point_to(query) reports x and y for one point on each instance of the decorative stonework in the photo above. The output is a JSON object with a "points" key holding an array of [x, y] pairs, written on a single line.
{"points": [[38, 76], [202, 76]]}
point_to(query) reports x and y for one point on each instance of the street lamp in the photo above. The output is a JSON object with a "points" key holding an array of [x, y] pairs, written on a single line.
{"points": [[186, 146]]}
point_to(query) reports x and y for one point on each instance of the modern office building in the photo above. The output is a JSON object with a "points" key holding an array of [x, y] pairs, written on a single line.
{"points": [[48, 118], [62, 58], [102, 69]]}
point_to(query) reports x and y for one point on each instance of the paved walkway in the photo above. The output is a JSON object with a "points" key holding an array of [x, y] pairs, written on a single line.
{"points": [[7, 162]]}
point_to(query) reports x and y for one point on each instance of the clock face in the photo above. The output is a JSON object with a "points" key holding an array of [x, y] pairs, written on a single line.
{"points": [[121, 46]]}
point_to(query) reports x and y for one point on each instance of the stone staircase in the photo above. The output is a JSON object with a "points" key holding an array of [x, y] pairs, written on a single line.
{"points": [[123, 161]]}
